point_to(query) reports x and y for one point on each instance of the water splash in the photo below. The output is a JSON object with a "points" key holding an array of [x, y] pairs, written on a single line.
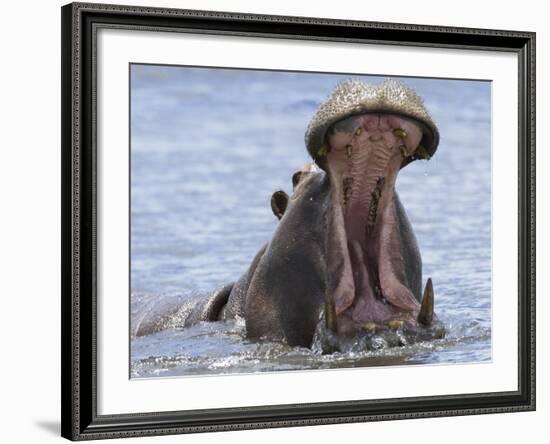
{"points": [[222, 348]]}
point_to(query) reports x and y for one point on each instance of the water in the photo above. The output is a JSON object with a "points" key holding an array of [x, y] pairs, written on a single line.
{"points": [[210, 146]]}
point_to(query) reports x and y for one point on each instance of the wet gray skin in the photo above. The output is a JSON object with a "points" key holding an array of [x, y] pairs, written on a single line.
{"points": [[343, 264]]}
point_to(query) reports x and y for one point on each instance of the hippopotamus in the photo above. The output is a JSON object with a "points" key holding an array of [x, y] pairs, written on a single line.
{"points": [[343, 260]]}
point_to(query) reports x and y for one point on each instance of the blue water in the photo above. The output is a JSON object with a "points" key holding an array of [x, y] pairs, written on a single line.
{"points": [[208, 149]]}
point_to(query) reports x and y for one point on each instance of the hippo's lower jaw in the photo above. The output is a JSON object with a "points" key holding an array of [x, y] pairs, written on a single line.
{"points": [[373, 264]]}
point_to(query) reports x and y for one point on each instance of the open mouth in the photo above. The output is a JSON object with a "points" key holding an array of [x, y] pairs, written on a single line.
{"points": [[373, 264]]}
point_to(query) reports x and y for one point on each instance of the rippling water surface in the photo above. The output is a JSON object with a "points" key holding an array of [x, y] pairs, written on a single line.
{"points": [[210, 146]]}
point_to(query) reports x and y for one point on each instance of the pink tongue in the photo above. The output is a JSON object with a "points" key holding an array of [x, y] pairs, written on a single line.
{"points": [[366, 308]]}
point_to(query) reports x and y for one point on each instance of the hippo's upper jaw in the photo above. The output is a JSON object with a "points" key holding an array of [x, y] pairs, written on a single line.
{"points": [[362, 136]]}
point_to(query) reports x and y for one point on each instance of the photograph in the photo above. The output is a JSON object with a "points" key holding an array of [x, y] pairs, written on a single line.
{"points": [[298, 221]]}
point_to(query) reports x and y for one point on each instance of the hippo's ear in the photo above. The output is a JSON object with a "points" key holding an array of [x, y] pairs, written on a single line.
{"points": [[279, 201]]}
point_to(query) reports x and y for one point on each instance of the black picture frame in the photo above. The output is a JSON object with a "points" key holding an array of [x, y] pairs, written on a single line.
{"points": [[79, 204]]}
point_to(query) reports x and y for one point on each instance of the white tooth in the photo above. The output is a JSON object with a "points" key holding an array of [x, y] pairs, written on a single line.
{"points": [[349, 150], [400, 132], [395, 323]]}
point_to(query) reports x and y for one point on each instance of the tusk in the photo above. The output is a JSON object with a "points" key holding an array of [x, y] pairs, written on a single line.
{"points": [[426, 314], [330, 316]]}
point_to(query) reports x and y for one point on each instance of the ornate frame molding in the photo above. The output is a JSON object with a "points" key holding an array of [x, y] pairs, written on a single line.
{"points": [[80, 22]]}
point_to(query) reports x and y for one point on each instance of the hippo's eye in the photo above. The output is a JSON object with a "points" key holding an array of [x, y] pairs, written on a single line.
{"points": [[296, 178]]}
